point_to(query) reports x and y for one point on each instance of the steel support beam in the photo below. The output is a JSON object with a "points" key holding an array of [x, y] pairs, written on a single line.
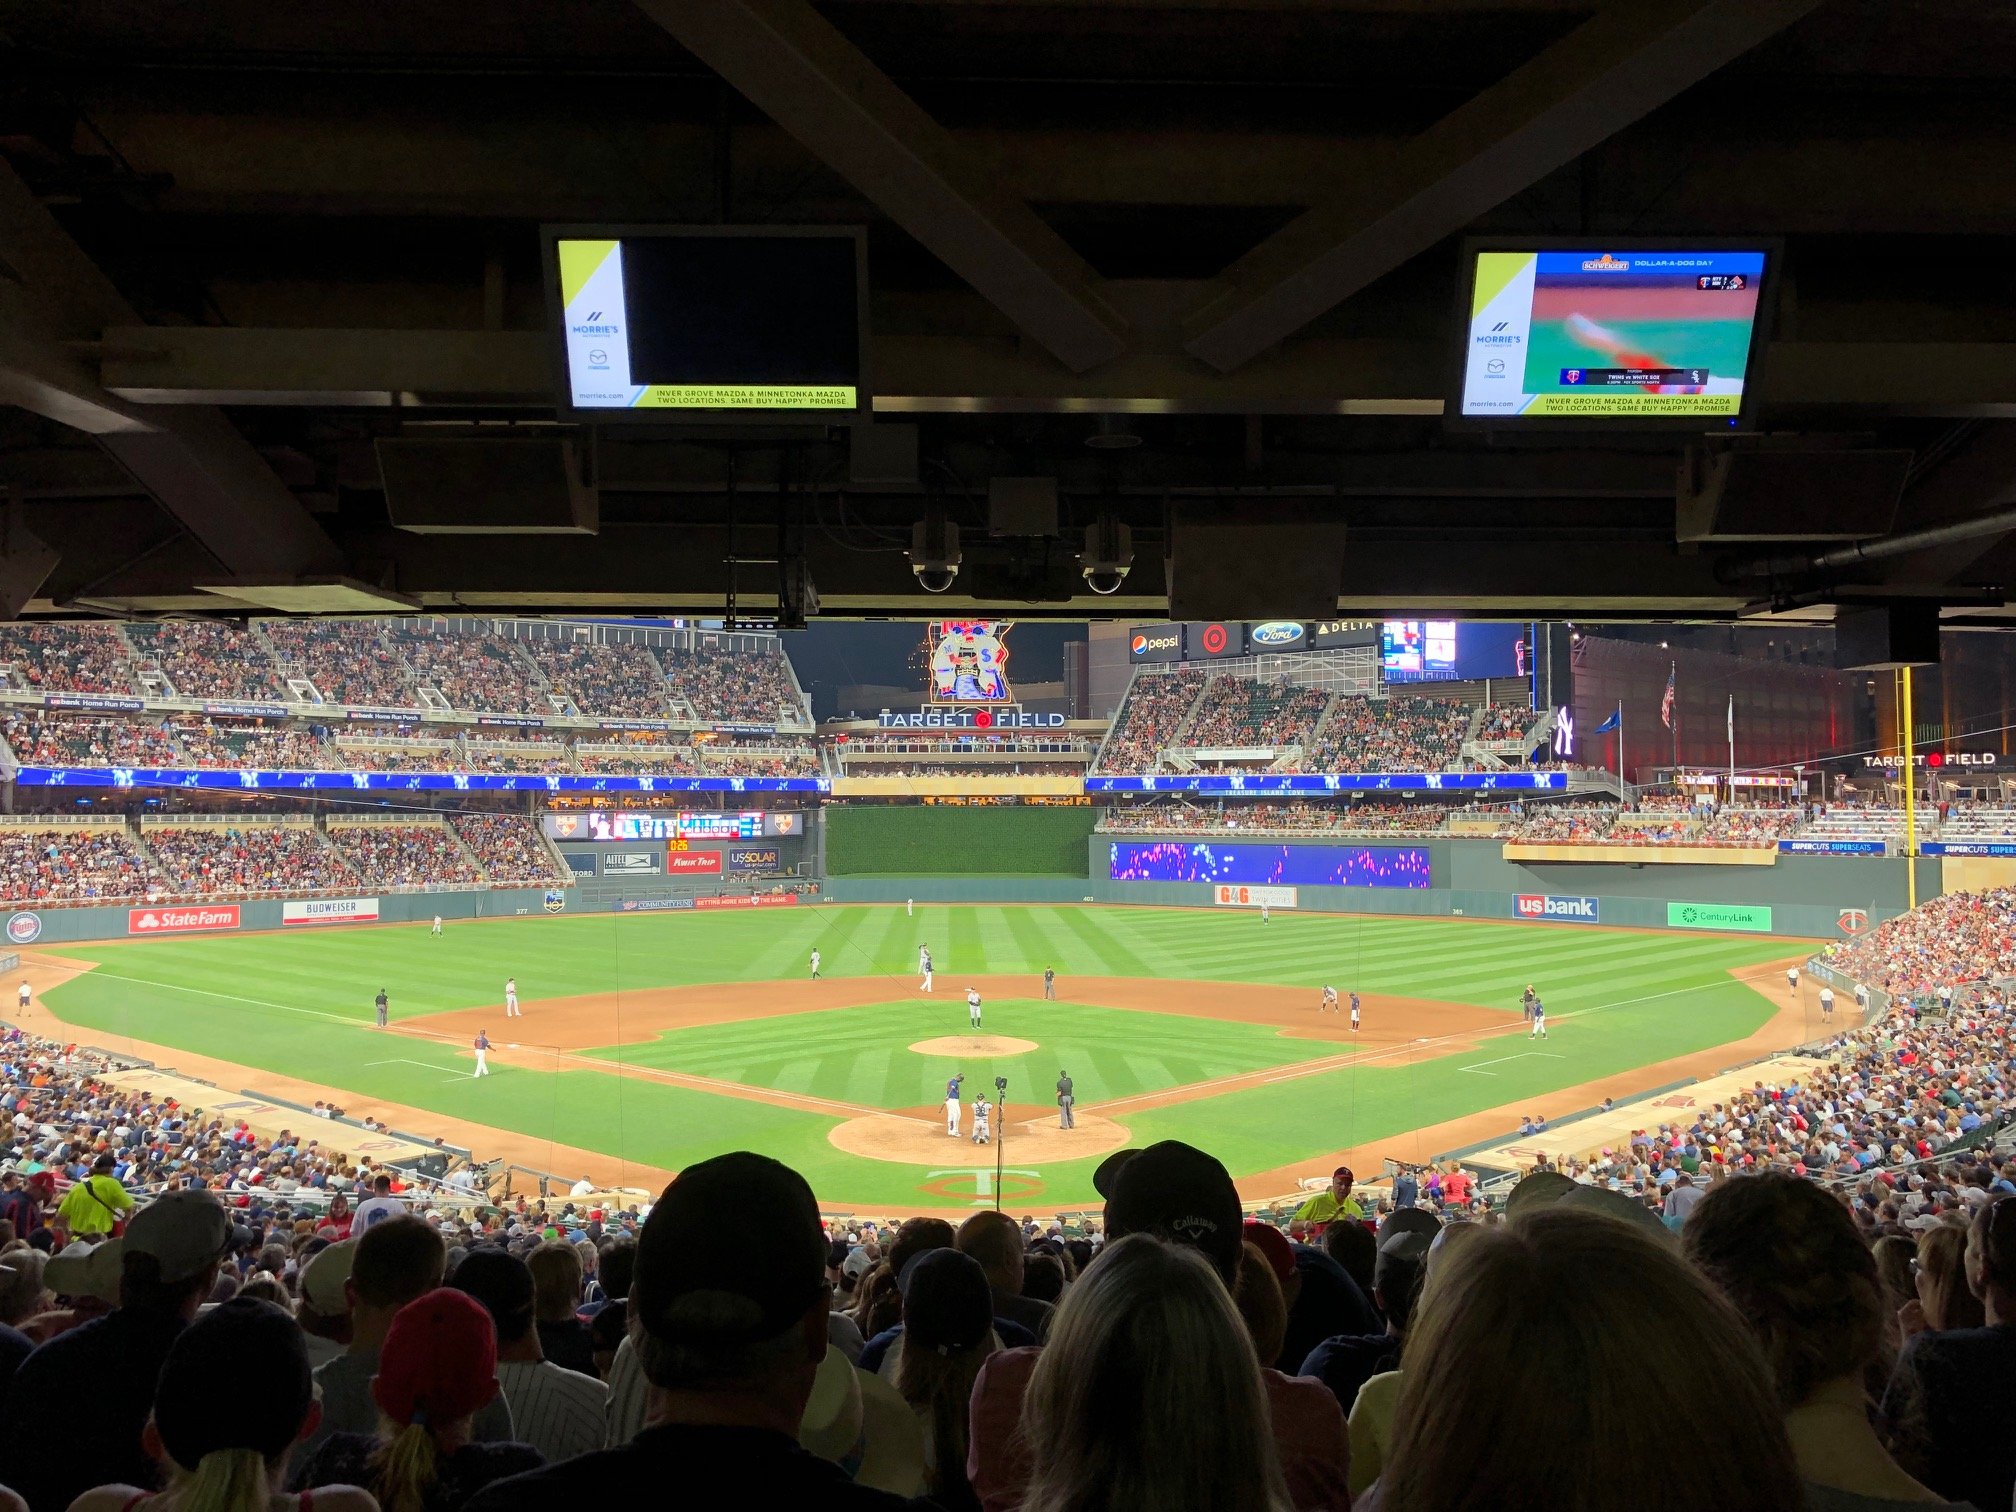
{"points": [[190, 459], [1630, 58], [799, 70], [152, 366]]}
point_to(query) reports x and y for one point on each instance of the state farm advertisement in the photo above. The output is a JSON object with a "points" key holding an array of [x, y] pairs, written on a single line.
{"points": [[693, 863], [153, 921], [761, 900], [331, 911]]}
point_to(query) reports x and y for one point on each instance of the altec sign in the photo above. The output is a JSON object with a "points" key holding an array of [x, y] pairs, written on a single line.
{"points": [[149, 921], [1546, 906]]}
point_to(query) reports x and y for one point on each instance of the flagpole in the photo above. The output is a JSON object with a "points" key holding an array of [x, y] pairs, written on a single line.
{"points": [[1673, 682], [1732, 749]]}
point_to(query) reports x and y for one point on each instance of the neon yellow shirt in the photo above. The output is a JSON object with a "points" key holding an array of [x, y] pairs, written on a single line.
{"points": [[1325, 1208], [92, 1207]]}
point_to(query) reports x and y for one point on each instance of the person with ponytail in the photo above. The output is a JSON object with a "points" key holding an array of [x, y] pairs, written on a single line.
{"points": [[436, 1370], [233, 1399]]}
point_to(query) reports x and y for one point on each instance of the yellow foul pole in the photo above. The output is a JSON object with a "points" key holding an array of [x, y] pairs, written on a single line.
{"points": [[1910, 803]]}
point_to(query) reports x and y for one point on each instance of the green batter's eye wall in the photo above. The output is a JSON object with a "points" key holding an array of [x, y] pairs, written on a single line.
{"points": [[934, 841]]}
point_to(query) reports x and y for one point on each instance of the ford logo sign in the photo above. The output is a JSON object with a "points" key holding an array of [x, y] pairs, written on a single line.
{"points": [[1276, 633]]}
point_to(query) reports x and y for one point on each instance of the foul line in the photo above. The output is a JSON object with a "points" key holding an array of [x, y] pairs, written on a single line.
{"points": [[1478, 1066]]}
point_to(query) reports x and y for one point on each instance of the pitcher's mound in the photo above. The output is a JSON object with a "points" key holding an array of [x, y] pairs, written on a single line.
{"points": [[1033, 1138], [975, 1044]]}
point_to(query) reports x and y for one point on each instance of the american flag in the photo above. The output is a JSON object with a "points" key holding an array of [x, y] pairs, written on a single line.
{"points": [[1666, 703]]}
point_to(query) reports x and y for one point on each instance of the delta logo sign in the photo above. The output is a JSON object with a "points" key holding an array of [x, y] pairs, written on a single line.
{"points": [[1546, 906], [151, 921]]}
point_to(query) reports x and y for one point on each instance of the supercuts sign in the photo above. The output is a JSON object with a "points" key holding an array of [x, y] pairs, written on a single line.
{"points": [[968, 719], [1936, 759]]}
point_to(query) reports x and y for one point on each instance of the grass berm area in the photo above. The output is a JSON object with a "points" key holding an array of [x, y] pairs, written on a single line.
{"points": [[298, 1004], [929, 840]]}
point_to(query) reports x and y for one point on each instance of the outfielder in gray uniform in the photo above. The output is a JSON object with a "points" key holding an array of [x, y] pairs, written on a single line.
{"points": [[1065, 1102]]}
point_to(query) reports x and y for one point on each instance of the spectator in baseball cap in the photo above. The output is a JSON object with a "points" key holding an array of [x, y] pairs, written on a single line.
{"points": [[166, 1264], [233, 1399], [728, 1309], [948, 1332], [1177, 1192], [437, 1367]]}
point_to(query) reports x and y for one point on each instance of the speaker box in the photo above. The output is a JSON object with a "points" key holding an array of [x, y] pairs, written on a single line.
{"points": [[1788, 495], [1886, 636], [489, 485], [1282, 561]]}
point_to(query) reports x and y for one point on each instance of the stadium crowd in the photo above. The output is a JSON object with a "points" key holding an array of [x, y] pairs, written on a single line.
{"points": [[71, 864], [403, 855], [348, 661], [509, 846], [1149, 719], [66, 658], [1960, 937], [1396, 734], [232, 743], [469, 669], [205, 659], [61, 739], [720, 684], [624, 681], [1243, 711], [1505, 722], [249, 858]]}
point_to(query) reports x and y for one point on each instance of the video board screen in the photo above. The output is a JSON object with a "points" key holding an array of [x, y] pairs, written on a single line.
{"points": [[1622, 335], [720, 322], [1299, 865], [601, 824], [968, 661], [1452, 651]]}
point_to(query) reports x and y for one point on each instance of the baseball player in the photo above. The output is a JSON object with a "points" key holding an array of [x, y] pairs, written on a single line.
{"points": [[981, 1111], [909, 908], [511, 998], [381, 1004], [1049, 984], [1263, 913], [437, 924], [1526, 1000], [973, 1007], [1827, 1003], [924, 966], [1066, 1101], [482, 1044], [1539, 1030], [815, 963], [1329, 1002], [952, 1104], [1354, 1013], [1791, 978], [22, 994]]}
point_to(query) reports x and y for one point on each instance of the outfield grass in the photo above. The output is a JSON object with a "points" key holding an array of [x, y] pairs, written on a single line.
{"points": [[293, 1004]]}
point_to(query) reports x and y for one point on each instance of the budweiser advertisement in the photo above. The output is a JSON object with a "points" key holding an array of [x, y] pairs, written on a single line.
{"points": [[330, 911], [693, 863], [152, 921], [761, 900]]}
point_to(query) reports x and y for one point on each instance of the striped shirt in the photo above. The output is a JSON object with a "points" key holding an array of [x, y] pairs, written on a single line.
{"points": [[559, 1412]]}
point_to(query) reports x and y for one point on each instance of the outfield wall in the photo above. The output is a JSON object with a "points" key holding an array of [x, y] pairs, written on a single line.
{"points": [[55, 926], [1803, 895]]}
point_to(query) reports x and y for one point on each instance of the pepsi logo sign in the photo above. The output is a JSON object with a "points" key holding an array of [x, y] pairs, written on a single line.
{"points": [[1276, 633]]}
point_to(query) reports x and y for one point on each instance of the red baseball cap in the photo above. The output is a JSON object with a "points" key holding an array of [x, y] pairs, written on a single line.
{"points": [[1273, 1244], [439, 1361]]}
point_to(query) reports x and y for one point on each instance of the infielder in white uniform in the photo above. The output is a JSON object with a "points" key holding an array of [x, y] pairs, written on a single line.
{"points": [[973, 1007], [924, 965], [1329, 1000], [981, 1109], [511, 998]]}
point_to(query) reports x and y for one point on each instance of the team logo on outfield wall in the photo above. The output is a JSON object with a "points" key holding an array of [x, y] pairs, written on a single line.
{"points": [[1547, 906], [24, 928], [556, 900], [1852, 920]]}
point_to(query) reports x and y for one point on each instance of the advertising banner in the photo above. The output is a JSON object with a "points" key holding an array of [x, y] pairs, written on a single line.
{"points": [[1324, 635], [757, 858], [1277, 635], [330, 911], [1831, 847], [761, 900], [654, 905], [1226, 896], [1548, 906], [786, 823], [1744, 918], [633, 863], [1207, 640], [1155, 643], [693, 864], [153, 921], [1968, 848]]}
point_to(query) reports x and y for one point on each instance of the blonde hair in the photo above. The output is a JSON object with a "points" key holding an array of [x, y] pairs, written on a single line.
{"points": [[1621, 1351], [226, 1480], [1148, 1395], [940, 1387], [1942, 1268], [404, 1466]]}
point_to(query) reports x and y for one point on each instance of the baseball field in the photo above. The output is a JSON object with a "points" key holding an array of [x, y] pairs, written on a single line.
{"points": [[649, 1041]]}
